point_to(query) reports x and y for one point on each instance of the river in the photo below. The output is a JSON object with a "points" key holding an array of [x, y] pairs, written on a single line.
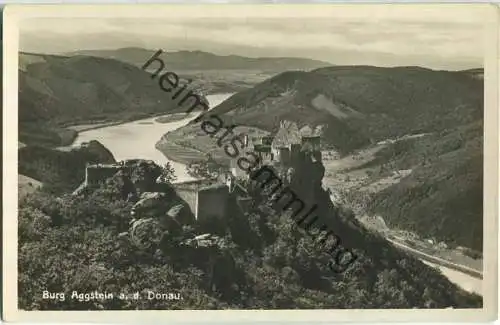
{"points": [[137, 139]]}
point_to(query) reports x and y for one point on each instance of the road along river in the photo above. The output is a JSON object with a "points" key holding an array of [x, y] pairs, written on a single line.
{"points": [[136, 140], [458, 274]]}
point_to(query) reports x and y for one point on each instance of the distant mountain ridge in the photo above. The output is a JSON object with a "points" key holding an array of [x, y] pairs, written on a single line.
{"points": [[199, 60]]}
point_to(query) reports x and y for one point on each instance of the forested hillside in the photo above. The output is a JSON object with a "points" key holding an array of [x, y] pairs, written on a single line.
{"points": [[443, 195], [360, 104], [60, 171], [55, 91], [258, 259]]}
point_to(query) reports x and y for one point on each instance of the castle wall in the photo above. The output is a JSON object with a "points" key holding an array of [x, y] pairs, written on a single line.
{"points": [[205, 198], [267, 140], [212, 203], [283, 156], [98, 174], [314, 142], [188, 191], [190, 196], [239, 173], [295, 153]]}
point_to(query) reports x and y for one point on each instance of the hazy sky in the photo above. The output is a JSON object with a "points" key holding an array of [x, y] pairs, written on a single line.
{"points": [[440, 39]]}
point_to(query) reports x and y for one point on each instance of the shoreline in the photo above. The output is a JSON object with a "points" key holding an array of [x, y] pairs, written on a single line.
{"points": [[176, 158], [182, 154], [93, 126]]}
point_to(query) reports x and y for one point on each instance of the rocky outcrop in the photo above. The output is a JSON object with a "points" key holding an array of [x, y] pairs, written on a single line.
{"points": [[143, 174], [180, 215], [151, 204], [146, 233], [205, 240], [124, 185], [167, 208], [307, 175], [98, 152], [61, 170]]}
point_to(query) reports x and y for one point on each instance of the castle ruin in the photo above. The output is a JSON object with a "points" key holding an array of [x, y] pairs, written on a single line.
{"points": [[206, 198], [96, 174], [284, 149]]}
